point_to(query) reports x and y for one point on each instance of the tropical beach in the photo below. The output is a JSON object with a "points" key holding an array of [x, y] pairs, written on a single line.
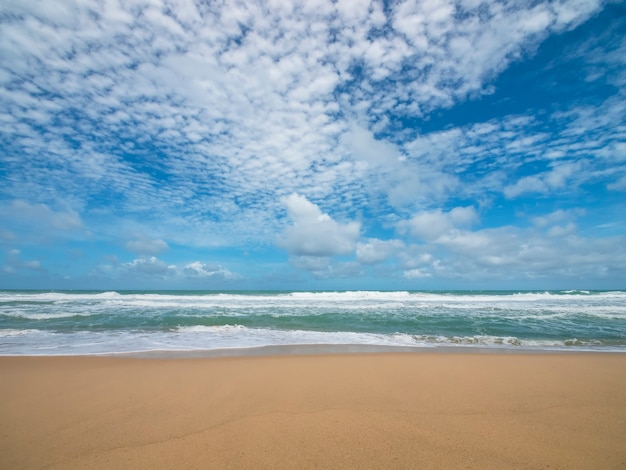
{"points": [[54, 323], [337, 379], [382, 234], [416, 410]]}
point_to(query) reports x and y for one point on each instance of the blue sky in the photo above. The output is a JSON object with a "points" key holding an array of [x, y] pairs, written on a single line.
{"points": [[313, 145]]}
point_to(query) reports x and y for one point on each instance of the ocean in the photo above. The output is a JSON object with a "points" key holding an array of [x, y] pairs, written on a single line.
{"points": [[95, 322]]}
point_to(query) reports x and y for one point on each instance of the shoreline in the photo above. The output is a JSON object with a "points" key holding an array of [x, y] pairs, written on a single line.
{"points": [[332, 410], [326, 349]]}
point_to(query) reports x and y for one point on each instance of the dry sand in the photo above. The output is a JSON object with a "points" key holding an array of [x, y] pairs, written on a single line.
{"points": [[320, 411]]}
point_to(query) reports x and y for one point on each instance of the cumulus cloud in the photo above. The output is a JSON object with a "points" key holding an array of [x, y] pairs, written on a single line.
{"points": [[551, 248], [314, 233], [548, 251], [374, 250], [198, 269], [431, 225], [363, 146], [151, 266]]}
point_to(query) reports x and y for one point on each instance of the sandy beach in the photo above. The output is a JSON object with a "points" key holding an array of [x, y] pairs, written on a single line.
{"points": [[418, 410]]}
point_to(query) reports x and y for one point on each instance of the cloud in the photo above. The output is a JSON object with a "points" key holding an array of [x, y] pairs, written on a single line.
{"points": [[363, 146], [40, 216], [416, 273], [236, 98], [32, 223], [200, 123], [562, 230], [314, 233], [376, 251], [151, 266], [553, 180], [619, 185], [556, 252], [198, 269], [431, 225], [144, 246], [326, 268], [558, 216], [14, 263]]}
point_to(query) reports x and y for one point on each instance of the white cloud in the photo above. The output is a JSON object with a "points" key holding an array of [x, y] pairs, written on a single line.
{"points": [[558, 216], [15, 263], [147, 268], [431, 225], [314, 233], [527, 184], [562, 230], [243, 97], [199, 123], [510, 253], [363, 146], [145, 246], [39, 222], [375, 251], [619, 185], [42, 216], [321, 267], [151, 266], [553, 180], [416, 273], [198, 269], [33, 264]]}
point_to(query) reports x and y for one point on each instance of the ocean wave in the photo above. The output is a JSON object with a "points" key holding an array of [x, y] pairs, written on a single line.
{"points": [[8, 296], [206, 338], [308, 298], [45, 316], [10, 332], [99, 322]]}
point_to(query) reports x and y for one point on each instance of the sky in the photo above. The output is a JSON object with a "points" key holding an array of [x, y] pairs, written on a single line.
{"points": [[428, 144]]}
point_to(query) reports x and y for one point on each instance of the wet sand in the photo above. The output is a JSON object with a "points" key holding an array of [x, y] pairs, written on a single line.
{"points": [[389, 410]]}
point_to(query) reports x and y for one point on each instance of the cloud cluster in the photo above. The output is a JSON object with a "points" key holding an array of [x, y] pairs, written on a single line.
{"points": [[153, 269], [551, 249], [200, 123], [432, 225], [313, 233], [237, 98]]}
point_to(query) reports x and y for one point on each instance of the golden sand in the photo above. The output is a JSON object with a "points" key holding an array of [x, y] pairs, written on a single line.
{"points": [[388, 411]]}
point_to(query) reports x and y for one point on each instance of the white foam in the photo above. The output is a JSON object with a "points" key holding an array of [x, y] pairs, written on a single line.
{"points": [[45, 316]]}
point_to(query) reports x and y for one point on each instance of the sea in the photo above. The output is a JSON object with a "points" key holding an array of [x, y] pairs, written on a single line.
{"points": [[54, 323]]}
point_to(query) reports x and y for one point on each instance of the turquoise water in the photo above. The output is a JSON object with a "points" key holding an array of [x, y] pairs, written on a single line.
{"points": [[94, 322]]}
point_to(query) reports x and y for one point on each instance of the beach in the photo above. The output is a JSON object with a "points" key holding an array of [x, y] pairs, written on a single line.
{"points": [[369, 410]]}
